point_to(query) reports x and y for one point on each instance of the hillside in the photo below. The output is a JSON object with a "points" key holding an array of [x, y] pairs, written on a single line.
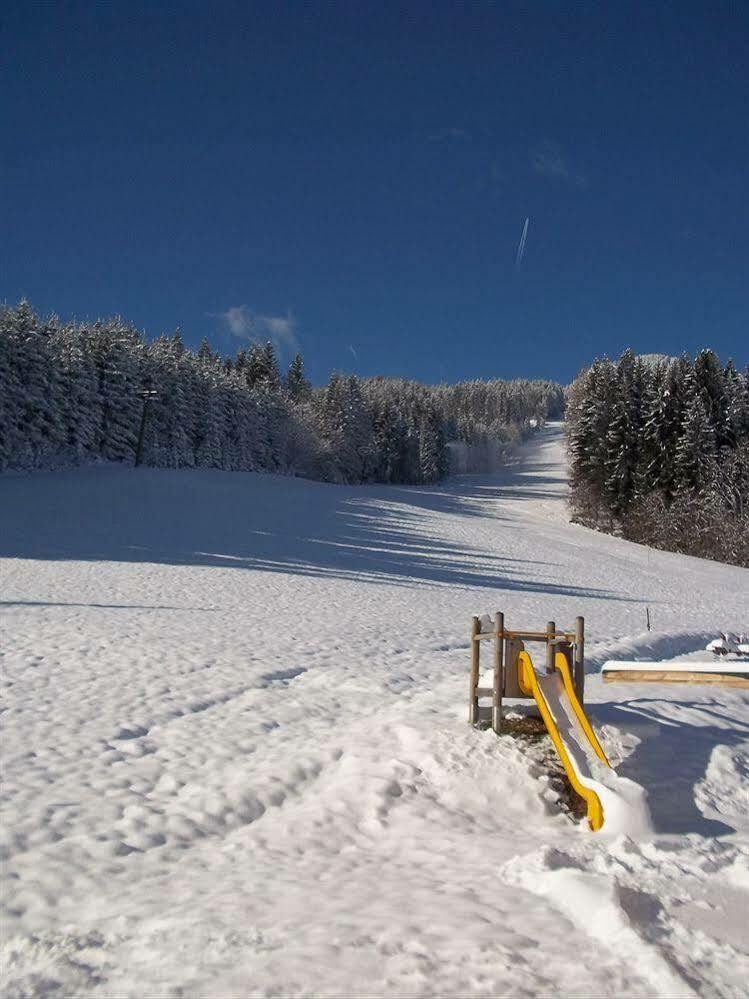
{"points": [[237, 760]]}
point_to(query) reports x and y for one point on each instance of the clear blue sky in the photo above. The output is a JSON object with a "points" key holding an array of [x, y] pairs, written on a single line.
{"points": [[357, 175]]}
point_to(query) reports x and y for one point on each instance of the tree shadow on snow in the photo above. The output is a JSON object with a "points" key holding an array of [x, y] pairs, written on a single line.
{"points": [[673, 754], [377, 534], [61, 603]]}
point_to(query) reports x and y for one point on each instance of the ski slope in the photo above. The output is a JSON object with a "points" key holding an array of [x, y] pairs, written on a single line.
{"points": [[236, 758]]}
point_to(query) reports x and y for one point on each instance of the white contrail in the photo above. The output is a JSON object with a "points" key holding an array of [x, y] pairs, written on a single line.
{"points": [[521, 245]]}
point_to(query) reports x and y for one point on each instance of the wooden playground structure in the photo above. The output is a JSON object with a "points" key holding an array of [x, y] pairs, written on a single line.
{"points": [[506, 679], [557, 689]]}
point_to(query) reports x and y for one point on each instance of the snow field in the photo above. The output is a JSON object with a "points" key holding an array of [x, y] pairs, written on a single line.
{"points": [[236, 759]]}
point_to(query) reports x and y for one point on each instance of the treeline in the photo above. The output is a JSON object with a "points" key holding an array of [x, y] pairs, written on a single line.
{"points": [[72, 393], [659, 452]]}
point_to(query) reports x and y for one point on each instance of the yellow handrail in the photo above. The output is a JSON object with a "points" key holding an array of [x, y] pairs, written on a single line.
{"points": [[562, 664]]}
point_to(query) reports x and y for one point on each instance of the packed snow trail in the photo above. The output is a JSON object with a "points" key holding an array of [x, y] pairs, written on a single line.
{"points": [[236, 757]]}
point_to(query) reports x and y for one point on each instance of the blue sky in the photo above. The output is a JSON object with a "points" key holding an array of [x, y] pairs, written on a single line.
{"points": [[355, 177]]}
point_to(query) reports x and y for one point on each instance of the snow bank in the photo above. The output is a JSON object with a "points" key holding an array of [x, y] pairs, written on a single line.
{"points": [[592, 903]]}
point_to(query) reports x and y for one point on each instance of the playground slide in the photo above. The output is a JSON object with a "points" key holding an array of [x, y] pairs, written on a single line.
{"points": [[608, 798]]}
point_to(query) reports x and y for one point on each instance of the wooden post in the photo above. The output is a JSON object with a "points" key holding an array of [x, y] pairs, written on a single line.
{"points": [[579, 666], [499, 671], [473, 711], [551, 629]]}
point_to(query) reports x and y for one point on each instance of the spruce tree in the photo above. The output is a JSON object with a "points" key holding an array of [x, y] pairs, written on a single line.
{"points": [[696, 450], [205, 354], [623, 436], [272, 378], [295, 383], [261, 369], [254, 369], [735, 426], [709, 381]]}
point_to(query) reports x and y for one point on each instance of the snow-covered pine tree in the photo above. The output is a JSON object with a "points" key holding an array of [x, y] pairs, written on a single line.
{"points": [[205, 354], [272, 377], [663, 417], [82, 406], [42, 393], [696, 450], [21, 350], [254, 368], [710, 383], [432, 449], [347, 428], [116, 349], [646, 473], [623, 436], [590, 414], [295, 383], [168, 428], [261, 368], [736, 410], [240, 363], [387, 441], [210, 414]]}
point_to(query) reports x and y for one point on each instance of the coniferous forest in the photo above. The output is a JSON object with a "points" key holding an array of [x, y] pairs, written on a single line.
{"points": [[659, 447], [659, 452], [72, 393]]}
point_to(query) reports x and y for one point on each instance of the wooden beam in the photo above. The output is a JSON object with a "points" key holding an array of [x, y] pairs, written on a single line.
{"points": [[527, 636], [673, 676]]}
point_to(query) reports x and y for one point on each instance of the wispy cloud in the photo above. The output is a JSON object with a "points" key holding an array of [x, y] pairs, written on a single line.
{"points": [[548, 161], [353, 351], [521, 245], [246, 324]]}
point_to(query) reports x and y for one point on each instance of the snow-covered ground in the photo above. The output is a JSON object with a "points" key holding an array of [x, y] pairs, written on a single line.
{"points": [[236, 758]]}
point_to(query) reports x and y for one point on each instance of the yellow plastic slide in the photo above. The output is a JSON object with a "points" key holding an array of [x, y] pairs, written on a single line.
{"points": [[569, 728]]}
